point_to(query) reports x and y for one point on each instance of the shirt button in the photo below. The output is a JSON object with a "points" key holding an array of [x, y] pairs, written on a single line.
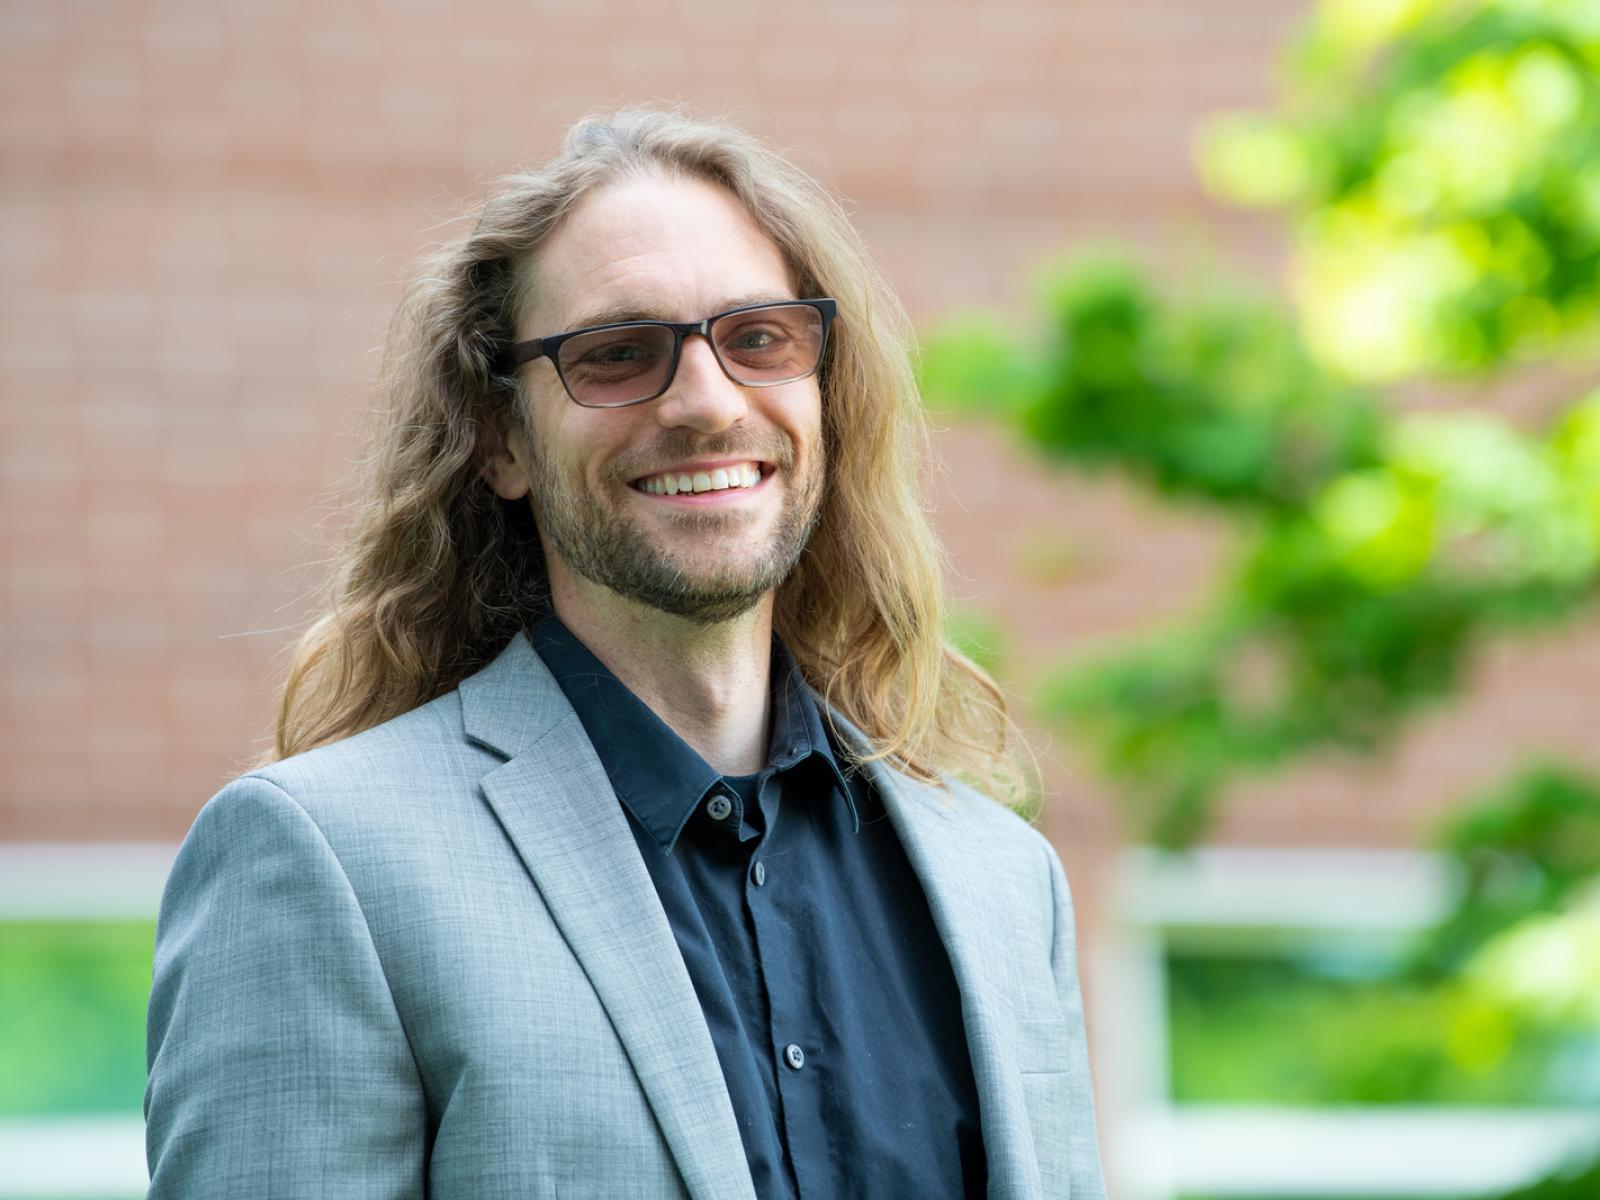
{"points": [[760, 873], [794, 1056], [718, 808]]}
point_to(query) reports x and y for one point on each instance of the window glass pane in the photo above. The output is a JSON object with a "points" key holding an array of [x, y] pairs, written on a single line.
{"points": [[73, 995], [1340, 1023]]}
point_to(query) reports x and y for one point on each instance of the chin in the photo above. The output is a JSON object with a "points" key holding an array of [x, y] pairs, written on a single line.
{"points": [[702, 609], [706, 593]]}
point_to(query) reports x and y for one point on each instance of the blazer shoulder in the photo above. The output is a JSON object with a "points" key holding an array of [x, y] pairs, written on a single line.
{"points": [[1006, 837], [995, 818], [975, 809], [423, 749]]}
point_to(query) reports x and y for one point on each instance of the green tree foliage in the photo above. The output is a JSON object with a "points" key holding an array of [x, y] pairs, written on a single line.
{"points": [[1449, 220], [1528, 846], [1378, 552], [1438, 165], [1579, 1181], [1212, 400]]}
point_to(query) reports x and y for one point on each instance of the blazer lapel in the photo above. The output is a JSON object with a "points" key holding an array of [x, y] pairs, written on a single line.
{"points": [[558, 809], [940, 846]]}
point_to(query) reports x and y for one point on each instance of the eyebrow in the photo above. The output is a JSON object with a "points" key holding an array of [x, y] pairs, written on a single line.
{"points": [[614, 314]]}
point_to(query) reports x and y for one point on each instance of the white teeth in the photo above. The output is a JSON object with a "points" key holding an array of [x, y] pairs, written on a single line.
{"points": [[741, 475]]}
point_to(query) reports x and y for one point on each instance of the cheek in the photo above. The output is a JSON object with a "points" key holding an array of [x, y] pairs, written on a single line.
{"points": [[795, 408], [582, 443], [809, 424]]}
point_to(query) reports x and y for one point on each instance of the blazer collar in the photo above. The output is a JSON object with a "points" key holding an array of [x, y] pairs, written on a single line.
{"points": [[513, 702], [657, 775], [555, 802], [557, 807]]}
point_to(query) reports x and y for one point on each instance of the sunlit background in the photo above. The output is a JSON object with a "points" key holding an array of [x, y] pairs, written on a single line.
{"points": [[1262, 339]]}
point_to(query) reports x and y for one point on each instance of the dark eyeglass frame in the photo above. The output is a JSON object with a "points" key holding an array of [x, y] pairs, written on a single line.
{"points": [[518, 353]]}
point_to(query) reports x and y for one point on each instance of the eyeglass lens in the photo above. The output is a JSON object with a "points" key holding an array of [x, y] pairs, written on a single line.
{"points": [[757, 348]]}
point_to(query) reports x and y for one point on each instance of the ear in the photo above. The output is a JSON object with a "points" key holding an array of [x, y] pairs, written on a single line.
{"points": [[507, 469]]}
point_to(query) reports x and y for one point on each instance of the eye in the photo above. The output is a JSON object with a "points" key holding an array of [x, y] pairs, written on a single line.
{"points": [[756, 340], [615, 354]]}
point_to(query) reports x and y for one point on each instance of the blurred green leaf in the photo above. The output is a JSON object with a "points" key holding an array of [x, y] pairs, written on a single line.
{"points": [[971, 366], [1211, 400], [1442, 158], [1577, 1180], [1525, 847], [979, 637]]}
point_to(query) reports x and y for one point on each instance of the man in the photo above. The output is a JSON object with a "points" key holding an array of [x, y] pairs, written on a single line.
{"points": [[613, 845]]}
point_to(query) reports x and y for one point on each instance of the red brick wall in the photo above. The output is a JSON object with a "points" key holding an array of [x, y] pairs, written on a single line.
{"points": [[206, 212]]}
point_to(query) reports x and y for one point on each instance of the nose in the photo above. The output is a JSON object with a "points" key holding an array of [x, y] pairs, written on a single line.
{"points": [[701, 397]]}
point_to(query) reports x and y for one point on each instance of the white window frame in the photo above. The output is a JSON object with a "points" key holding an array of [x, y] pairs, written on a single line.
{"points": [[78, 1156], [1159, 1150]]}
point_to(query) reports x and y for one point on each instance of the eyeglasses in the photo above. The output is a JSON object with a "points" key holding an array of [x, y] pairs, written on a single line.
{"points": [[757, 345]]}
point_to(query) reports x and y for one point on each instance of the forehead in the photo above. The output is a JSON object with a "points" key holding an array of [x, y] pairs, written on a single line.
{"points": [[653, 247]]}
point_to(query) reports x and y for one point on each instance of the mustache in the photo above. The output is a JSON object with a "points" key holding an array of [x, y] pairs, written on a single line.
{"points": [[678, 446]]}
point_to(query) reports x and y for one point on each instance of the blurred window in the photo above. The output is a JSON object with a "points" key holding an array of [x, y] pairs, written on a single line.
{"points": [[1270, 1040], [77, 932]]}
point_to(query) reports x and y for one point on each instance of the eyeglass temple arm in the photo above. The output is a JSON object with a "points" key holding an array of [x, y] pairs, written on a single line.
{"points": [[515, 355]]}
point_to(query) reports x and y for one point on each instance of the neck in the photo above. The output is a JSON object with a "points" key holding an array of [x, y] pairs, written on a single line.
{"points": [[709, 683]]}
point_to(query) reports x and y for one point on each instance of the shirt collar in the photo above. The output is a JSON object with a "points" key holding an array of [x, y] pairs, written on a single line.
{"points": [[658, 776]]}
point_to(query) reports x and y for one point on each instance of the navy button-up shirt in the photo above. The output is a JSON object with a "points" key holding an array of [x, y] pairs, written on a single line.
{"points": [[808, 939]]}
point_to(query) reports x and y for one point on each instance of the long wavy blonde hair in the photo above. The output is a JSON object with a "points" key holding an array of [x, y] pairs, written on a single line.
{"points": [[437, 574]]}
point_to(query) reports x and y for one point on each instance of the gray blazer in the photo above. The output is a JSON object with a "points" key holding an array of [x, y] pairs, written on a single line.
{"points": [[428, 960]]}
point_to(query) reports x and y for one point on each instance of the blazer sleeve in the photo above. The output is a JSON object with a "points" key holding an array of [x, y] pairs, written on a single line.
{"points": [[1088, 1182], [278, 1066]]}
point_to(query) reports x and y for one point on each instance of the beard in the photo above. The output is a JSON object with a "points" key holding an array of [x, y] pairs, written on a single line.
{"points": [[601, 543]]}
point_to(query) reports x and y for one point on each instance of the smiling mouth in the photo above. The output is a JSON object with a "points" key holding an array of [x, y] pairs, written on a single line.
{"points": [[735, 477]]}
